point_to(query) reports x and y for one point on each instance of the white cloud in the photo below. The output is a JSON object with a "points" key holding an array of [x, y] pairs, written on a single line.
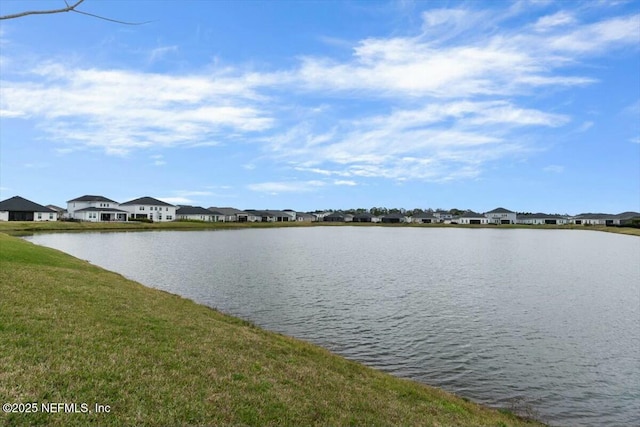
{"points": [[440, 141], [558, 19], [345, 182], [186, 197], [119, 110], [160, 52], [554, 168], [635, 140], [286, 186]]}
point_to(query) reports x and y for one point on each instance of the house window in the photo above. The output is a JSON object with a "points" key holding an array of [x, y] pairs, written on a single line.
{"points": [[141, 208], [39, 215], [169, 217], [50, 216]]}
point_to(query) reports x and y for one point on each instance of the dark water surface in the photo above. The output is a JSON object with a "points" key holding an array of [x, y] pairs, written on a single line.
{"points": [[544, 321]]}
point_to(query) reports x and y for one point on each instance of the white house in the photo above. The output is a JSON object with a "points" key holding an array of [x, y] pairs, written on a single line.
{"points": [[95, 209], [443, 216], [20, 209], [149, 208], [501, 216], [542, 219], [197, 213], [592, 219], [304, 217], [235, 215], [470, 217], [424, 218]]}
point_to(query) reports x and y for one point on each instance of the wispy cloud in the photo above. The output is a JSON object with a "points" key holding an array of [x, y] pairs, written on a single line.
{"points": [[160, 52], [186, 197], [436, 105], [120, 110], [158, 160], [286, 186], [554, 169]]}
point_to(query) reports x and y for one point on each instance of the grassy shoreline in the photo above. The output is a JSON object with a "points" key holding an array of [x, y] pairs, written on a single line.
{"points": [[71, 332]]}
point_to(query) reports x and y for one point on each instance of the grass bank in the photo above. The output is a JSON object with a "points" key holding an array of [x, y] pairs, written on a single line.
{"points": [[21, 228], [72, 333]]}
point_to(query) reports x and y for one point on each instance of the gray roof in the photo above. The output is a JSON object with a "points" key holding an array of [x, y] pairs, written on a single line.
{"points": [[424, 215], [304, 215], [472, 214], [195, 210], [93, 209], [227, 210], [628, 215], [20, 204], [594, 216], [257, 212], [56, 208], [89, 198], [540, 215], [363, 215], [394, 215], [500, 210], [335, 215], [146, 201]]}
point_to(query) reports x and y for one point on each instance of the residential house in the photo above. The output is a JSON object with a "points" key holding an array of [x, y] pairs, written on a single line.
{"points": [[363, 217], [235, 215], [334, 217], [282, 216], [424, 218], [605, 219], [263, 216], [18, 208], [95, 209], [542, 219], [150, 208], [501, 216], [627, 218], [471, 217], [305, 217], [592, 219], [198, 213], [62, 212], [320, 215], [293, 214], [443, 216], [394, 218]]}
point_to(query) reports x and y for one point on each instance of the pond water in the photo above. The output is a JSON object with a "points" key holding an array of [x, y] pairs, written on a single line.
{"points": [[545, 322]]}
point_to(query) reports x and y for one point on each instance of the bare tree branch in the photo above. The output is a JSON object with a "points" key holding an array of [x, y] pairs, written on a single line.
{"points": [[44, 12], [111, 20], [69, 8]]}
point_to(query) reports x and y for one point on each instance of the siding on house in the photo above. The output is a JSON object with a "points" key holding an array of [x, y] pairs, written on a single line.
{"points": [[150, 208], [424, 218], [472, 218], [501, 216], [95, 208], [198, 213], [542, 219]]}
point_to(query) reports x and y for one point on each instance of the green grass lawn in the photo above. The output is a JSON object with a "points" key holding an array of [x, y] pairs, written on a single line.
{"points": [[71, 332]]}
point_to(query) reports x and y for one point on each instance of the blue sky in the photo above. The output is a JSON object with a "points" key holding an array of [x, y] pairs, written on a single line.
{"points": [[530, 105]]}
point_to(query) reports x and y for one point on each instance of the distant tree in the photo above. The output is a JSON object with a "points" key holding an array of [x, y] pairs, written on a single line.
{"points": [[378, 211]]}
